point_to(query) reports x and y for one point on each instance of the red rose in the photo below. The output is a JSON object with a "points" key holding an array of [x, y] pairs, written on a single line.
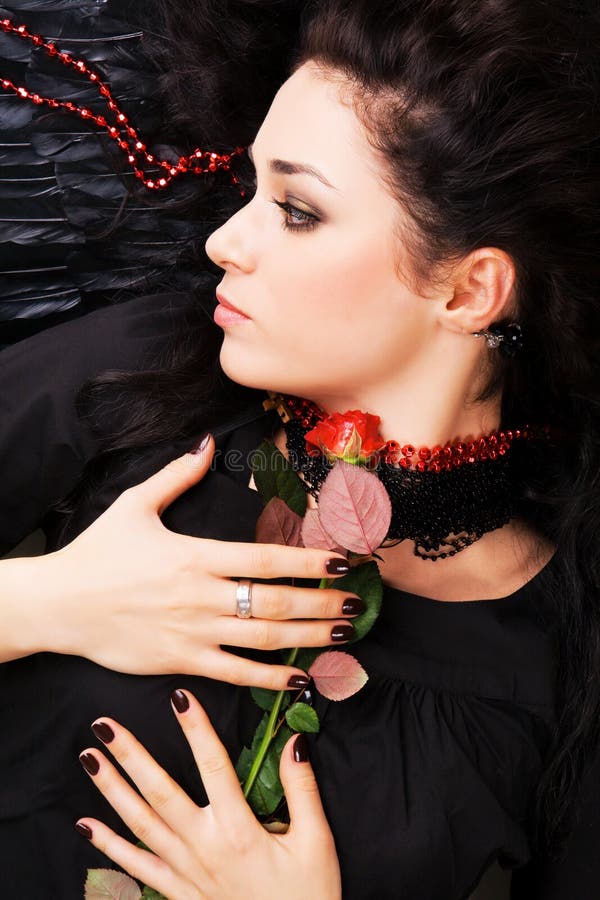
{"points": [[352, 436]]}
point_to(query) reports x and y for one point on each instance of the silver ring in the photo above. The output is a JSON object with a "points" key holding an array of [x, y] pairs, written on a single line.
{"points": [[243, 599]]}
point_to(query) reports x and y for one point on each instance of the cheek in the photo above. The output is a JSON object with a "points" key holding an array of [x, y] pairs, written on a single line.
{"points": [[348, 290]]}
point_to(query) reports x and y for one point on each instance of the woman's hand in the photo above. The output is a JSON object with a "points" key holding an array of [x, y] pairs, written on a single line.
{"points": [[133, 596], [217, 852]]}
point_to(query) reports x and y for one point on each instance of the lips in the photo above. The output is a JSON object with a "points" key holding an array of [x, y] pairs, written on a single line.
{"points": [[224, 302]]}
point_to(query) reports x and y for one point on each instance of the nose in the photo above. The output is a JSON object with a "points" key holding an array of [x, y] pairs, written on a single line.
{"points": [[229, 246]]}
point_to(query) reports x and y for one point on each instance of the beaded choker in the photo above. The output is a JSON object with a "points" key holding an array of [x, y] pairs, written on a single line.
{"points": [[444, 498]]}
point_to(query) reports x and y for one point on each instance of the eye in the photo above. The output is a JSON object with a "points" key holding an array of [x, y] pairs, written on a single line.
{"points": [[300, 220]]}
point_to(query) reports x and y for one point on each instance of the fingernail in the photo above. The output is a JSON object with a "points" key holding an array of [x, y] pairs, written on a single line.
{"points": [[353, 606], [180, 701], [84, 830], [298, 681], [301, 749], [89, 763], [103, 732], [337, 566], [342, 632], [201, 443]]}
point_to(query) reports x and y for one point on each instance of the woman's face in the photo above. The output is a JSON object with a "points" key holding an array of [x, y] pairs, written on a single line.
{"points": [[329, 317]]}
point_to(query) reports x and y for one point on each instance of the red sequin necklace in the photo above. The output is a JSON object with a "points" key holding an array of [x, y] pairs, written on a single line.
{"points": [[438, 458], [115, 123]]}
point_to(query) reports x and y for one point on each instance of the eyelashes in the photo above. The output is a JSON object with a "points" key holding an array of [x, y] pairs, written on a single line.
{"points": [[304, 222], [295, 219]]}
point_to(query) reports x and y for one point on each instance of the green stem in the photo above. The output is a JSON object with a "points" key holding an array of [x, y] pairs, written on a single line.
{"points": [[269, 732], [271, 728]]}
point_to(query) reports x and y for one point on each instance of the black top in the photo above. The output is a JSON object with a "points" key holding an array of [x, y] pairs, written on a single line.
{"points": [[427, 774]]}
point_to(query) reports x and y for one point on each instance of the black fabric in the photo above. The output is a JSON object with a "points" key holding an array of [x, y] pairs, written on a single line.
{"points": [[427, 774]]}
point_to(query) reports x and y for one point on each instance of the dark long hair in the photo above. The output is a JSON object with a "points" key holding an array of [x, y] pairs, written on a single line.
{"points": [[487, 114]]}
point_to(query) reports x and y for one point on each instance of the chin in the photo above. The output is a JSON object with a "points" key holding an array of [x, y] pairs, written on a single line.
{"points": [[274, 378], [247, 375]]}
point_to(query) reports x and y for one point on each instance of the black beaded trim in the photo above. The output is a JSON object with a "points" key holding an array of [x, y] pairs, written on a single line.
{"points": [[442, 512]]}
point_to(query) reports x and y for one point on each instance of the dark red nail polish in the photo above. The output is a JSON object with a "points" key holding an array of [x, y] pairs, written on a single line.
{"points": [[298, 681], [337, 566], [353, 606], [201, 443], [301, 748], [89, 763], [342, 632], [103, 732], [180, 701], [84, 830]]}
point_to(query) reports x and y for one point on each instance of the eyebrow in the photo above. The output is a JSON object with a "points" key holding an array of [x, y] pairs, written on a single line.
{"points": [[283, 167]]}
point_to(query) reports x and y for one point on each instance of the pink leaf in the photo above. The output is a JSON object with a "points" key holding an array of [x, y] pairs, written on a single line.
{"points": [[314, 535], [354, 508], [337, 675], [108, 884], [278, 524]]}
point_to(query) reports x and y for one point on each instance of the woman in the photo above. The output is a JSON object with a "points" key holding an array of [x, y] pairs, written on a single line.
{"points": [[442, 140]]}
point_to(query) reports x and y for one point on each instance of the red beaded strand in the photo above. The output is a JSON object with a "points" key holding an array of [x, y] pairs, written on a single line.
{"points": [[426, 459], [122, 132]]}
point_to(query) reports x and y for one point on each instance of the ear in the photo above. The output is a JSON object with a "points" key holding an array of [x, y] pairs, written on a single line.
{"points": [[482, 291]]}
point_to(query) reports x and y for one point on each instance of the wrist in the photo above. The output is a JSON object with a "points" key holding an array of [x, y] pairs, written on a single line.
{"points": [[22, 609]]}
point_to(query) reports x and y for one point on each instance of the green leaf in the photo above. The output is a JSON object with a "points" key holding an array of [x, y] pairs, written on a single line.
{"points": [[267, 790], [265, 698], [264, 471], [244, 764], [365, 581], [150, 894], [275, 477], [289, 488], [302, 717], [247, 755]]}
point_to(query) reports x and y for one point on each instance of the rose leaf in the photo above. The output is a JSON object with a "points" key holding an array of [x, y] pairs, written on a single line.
{"points": [[365, 581], [302, 717], [314, 535], [150, 894], [337, 675], [265, 698], [277, 524], [109, 884], [355, 508], [275, 477]]}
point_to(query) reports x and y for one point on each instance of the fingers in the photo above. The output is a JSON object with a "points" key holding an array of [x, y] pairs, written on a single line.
{"points": [[274, 601], [233, 669], [230, 558], [162, 488], [263, 634], [163, 794], [307, 815], [139, 863], [139, 817], [216, 770]]}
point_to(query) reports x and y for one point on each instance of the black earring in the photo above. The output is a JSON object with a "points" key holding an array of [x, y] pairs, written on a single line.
{"points": [[506, 338]]}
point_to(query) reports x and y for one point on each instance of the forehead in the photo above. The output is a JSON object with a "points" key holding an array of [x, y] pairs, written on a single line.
{"points": [[311, 120]]}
